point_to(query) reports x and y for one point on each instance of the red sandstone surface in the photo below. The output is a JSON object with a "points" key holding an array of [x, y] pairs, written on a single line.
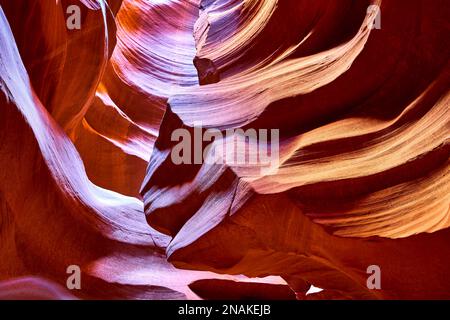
{"points": [[86, 174]]}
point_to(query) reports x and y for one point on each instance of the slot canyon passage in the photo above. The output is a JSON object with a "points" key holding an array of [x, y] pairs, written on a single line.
{"points": [[360, 98]]}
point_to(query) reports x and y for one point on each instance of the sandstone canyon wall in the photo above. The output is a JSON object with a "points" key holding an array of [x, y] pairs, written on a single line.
{"points": [[357, 92]]}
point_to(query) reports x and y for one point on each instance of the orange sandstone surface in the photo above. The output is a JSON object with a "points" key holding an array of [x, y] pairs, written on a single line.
{"points": [[358, 92]]}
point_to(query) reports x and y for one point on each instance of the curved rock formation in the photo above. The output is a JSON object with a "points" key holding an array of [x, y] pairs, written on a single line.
{"points": [[362, 177], [354, 173], [52, 214]]}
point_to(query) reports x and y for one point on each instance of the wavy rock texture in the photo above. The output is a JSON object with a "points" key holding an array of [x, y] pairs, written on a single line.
{"points": [[54, 211], [87, 176]]}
